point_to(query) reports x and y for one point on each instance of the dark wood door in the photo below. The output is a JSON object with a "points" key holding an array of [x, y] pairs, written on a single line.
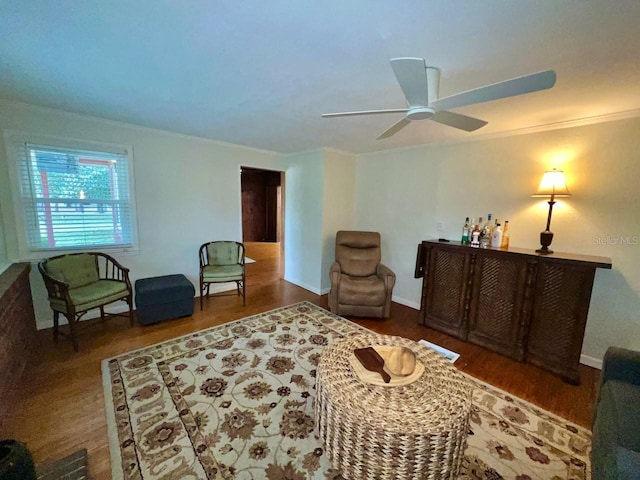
{"points": [[260, 205], [272, 213]]}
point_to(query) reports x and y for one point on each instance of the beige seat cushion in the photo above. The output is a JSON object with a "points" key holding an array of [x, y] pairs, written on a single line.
{"points": [[362, 290]]}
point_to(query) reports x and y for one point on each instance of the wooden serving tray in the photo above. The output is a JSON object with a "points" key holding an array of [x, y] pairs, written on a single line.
{"points": [[374, 378]]}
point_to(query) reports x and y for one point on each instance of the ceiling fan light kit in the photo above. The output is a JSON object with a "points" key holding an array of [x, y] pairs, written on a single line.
{"points": [[420, 85]]}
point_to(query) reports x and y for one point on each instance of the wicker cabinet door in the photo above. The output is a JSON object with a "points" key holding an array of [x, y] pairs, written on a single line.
{"points": [[444, 296], [563, 292], [500, 303]]}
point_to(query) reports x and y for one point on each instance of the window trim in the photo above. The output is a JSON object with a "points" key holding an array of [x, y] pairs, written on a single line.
{"points": [[14, 142]]}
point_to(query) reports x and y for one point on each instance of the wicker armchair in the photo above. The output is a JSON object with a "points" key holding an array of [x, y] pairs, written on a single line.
{"points": [[79, 282], [222, 262]]}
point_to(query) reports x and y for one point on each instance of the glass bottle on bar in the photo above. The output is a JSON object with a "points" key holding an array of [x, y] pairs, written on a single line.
{"points": [[485, 234], [475, 233], [496, 236], [505, 235], [465, 232]]}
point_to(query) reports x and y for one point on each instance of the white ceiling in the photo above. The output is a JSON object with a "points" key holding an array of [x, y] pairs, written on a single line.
{"points": [[260, 73]]}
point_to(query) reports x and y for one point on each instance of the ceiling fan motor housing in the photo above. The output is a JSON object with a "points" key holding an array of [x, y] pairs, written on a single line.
{"points": [[433, 83], [420, 113]]}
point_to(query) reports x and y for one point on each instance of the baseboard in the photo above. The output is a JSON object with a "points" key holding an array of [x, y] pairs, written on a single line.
{"points": [[405, 302], [591, 361], [312, 289], [90, 315], [123, 308], [4, 266], [219, 287], [584, 359]]}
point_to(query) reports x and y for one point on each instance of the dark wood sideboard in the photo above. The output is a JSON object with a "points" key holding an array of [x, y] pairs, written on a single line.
{"points": [[530, 307], [17, 331]]}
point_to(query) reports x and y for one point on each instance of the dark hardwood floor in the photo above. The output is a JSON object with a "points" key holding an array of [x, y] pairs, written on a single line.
{"points": [[61, 405]]}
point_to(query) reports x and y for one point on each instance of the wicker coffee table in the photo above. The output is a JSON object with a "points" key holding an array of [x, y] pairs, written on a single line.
{"points": [[372, 431]]}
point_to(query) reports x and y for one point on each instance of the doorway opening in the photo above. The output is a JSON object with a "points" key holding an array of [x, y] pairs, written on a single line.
{"points": [[263, 217]]}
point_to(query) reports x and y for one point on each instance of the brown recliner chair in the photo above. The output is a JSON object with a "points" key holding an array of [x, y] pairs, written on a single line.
{"points": [[361, 286]]}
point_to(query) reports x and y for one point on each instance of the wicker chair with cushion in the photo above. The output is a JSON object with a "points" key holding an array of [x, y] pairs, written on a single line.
{"points": [[222, 262], [79, 282], [360, 284]]}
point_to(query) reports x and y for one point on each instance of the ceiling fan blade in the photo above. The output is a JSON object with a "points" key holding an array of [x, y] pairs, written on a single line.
{"points": [[508, 88], [412, 77], [365, 112], [395, 128], [468, 124]]}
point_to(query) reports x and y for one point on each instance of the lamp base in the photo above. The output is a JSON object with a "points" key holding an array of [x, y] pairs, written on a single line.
{"points": [[546, 238]]}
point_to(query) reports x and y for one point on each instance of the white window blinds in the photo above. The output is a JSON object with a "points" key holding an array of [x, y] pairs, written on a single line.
{"points": [[75, 199]]}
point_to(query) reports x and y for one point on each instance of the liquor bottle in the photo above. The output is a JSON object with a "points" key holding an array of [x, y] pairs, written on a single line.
{"points": [[505, 235], [475, 234], [485, 234], [496, 236], [465, 232]]}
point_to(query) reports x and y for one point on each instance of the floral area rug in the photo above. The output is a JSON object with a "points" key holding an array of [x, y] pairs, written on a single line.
{"points": [[236, 402]]}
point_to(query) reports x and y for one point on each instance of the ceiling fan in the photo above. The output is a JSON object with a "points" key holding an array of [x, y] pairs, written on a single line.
{"points": [[420, 85]]}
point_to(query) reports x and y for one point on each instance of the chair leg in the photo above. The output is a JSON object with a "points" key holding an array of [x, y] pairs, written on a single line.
{"points": [[102, 313], [72, 329], [244, 293], [56, 318], [130, 302], [201, 294]]}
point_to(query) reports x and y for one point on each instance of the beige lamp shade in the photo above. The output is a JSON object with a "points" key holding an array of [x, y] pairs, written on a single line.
{"points": [[552, 184]]}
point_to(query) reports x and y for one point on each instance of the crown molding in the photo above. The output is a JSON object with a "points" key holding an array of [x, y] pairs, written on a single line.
{"points": [[579, 122], [117, 123]]}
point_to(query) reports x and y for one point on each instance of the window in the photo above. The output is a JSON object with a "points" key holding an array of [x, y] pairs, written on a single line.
{"points": [[74, 198]]}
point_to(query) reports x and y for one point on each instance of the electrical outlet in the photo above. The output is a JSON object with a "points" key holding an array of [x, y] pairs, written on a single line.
{"points": [[440, 227]]}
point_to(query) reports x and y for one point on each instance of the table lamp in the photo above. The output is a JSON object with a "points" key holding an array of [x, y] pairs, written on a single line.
{"points": [[552, 185]]}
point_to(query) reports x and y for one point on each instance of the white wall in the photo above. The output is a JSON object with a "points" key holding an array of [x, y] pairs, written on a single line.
{"points": [[396, 195], [4, 259], [303, 219], [187, 190], [319, 201], [404, 194], [338, 205]]}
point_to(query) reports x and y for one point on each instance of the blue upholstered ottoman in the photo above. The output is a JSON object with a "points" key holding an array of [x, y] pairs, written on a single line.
{"points": [[163, 298]]}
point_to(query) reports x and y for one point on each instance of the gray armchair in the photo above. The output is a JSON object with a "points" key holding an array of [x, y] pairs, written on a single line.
{"points": [[615, 452], [361, 286]]}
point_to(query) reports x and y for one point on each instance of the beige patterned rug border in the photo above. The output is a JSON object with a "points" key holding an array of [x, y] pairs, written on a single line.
{"points": [[112, 432], [578, 447], [479, 386], [541, 412]]}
